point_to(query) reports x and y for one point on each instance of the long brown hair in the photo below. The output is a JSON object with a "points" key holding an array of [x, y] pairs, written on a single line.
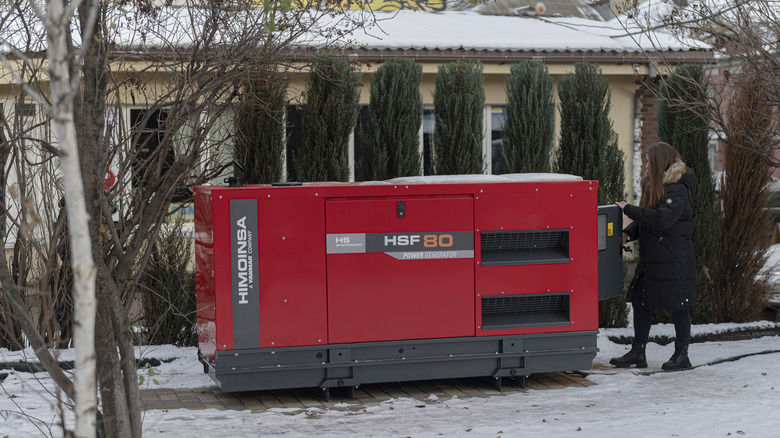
{"points": [[659, 156]]}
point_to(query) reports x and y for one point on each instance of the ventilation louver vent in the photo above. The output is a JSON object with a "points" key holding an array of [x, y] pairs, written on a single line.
{"points": [[533, 310], [524, 247]]}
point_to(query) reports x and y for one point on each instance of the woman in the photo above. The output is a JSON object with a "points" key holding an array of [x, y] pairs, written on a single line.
{"points": [[665, 276]]}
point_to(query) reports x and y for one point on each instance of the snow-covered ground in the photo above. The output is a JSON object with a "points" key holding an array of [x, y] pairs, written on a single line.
{"points": [[732, 398]]}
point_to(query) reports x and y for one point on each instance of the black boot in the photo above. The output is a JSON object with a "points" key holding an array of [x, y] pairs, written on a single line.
{"points": [[634, 357], [679, 360]]}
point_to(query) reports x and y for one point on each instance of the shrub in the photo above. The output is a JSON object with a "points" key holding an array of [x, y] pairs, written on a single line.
{"points": [[742, 251], [168, 290], [329, 117], [260, 131], [395, 112], [530, 119], [458, 100]]}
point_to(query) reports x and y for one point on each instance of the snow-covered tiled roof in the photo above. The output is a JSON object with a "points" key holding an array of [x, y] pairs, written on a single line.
{"points": [[473, 31]]}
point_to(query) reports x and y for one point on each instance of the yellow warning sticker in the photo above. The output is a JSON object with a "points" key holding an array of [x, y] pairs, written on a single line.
{"points": [[610, 229]]}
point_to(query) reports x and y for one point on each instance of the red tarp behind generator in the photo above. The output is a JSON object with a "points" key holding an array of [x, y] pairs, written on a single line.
{"points": [[339, 284]]}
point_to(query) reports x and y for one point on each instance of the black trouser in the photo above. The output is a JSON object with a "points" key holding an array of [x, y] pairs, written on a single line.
{"points": [[643, 321]]}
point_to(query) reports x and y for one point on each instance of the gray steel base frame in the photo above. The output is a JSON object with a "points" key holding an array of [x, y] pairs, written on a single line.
{"points": [[343, 365]]}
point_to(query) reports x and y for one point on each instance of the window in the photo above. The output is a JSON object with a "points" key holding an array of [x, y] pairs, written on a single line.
{"points": [[33, 125], [27, 112], [497, 121], [361, 132], [429, 121], [146, 150], [294, 137]]}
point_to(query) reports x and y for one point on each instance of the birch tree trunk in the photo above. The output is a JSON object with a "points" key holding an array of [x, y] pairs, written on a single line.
{"points": [[63, 91]]}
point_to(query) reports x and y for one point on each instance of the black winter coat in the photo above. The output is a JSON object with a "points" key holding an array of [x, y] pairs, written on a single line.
{"points": [[665, 276]]}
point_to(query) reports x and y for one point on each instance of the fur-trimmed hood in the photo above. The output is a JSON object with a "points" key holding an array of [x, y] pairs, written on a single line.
{"points": [[678, 172]]}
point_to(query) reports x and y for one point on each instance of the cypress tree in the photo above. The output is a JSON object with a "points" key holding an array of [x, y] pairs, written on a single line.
{"points": [[458, 102], [329, 116], [741, 292], [394, 118], [530, 119], [589, 148], [260, 132], [683, 122]]}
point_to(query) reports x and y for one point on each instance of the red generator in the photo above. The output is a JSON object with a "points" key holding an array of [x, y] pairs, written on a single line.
{"points": [[340, 284]]}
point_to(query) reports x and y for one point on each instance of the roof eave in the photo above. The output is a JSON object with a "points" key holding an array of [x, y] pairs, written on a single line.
{"points": [[550, 57]]}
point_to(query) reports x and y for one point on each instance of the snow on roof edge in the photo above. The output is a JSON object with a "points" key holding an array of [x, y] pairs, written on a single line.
{"points": [[482, 178]]}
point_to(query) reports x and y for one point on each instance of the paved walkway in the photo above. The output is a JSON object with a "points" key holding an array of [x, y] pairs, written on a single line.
{"points": [[364, 395]]}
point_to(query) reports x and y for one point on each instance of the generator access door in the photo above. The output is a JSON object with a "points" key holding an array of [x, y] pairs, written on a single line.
{"points": [[610, 223], [400, 267]]}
